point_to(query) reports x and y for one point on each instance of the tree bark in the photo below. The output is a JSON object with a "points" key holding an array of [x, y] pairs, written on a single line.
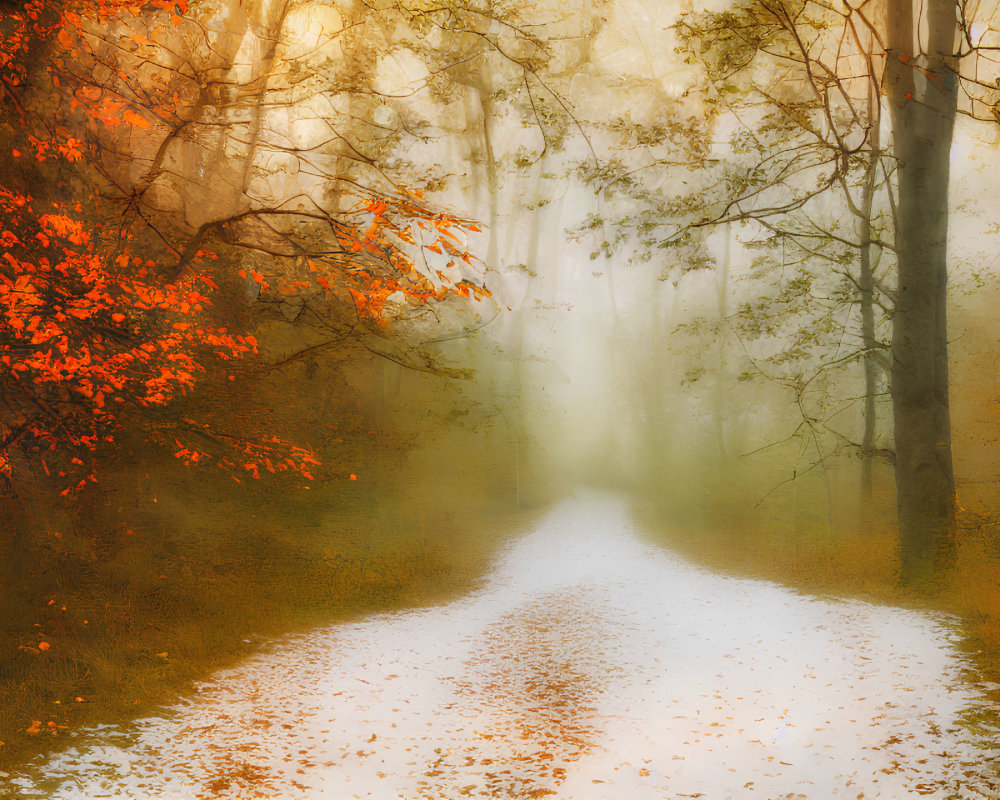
{"points": [[866, 283], [922, 87], [485, 89], [721, 378]]}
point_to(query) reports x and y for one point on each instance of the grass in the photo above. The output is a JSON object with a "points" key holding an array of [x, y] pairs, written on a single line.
{"points": [[973, 584], [798, 538], [120, 615]]}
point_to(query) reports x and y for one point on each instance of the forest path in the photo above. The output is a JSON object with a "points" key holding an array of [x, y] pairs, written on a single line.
{"points": [[588, 666]]}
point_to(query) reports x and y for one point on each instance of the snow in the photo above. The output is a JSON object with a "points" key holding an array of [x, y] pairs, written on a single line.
{"points": [[589, 665]]}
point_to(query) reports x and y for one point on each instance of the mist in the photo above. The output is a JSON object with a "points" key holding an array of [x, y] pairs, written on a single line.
{"points": [[331, 326]]}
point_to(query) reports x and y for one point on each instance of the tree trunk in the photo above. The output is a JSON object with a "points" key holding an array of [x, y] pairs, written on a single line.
{"points": [[721, 378], [492, 178], [866, 283], [923, 116]]}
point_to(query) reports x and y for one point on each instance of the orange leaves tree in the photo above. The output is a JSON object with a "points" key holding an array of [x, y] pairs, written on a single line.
{"points": [[137, 136], [84, 342], [90, 337]]}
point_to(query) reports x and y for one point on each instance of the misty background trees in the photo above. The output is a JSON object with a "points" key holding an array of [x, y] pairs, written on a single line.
{"points": [[577, 203]]}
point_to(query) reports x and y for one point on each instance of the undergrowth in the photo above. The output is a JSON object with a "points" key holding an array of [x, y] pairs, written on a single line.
{"points": [[157, 581]]}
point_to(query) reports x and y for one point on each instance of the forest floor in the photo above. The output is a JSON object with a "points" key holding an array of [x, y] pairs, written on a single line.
{"points": [[587, 664], [845, 550], [113, 619]]}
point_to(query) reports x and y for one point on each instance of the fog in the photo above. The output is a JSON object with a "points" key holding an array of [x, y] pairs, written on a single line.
{"points": [[641, 263]]}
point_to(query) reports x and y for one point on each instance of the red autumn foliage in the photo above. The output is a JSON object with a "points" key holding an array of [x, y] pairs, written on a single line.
{"points": [[83, 340], [89, 336], [94, 333], [389, 246]]}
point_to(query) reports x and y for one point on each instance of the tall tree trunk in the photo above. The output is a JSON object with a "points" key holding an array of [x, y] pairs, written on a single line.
{"points": [[722, 300], [922, 88], [485, 89], [866, 283]]}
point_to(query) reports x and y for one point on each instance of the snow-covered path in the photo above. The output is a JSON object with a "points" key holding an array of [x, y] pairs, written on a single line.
{"points": [[589, 666]]}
